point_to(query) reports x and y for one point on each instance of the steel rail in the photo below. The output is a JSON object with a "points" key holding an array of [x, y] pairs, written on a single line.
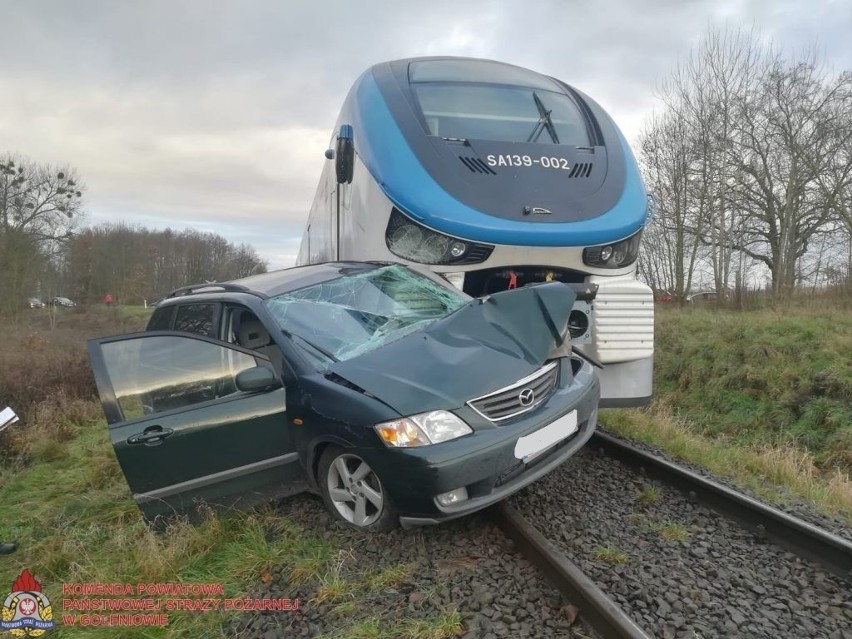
{"points": [[832, 552], [601, 612]]}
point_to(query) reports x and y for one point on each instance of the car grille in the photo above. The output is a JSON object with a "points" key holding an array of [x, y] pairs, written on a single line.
{"points": [[515, 400]]}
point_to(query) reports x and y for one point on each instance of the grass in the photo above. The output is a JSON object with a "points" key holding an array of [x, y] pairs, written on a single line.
{"points": [[389, 577], [610, 555], [438, 627], [75, 522], [667, 530], [672, 531], [760, 397], [767, 377], [776, 473], [45, 376], [649, 495]]}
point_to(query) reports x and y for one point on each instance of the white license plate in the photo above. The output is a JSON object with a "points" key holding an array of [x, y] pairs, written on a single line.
{"points": [[531, 445]]}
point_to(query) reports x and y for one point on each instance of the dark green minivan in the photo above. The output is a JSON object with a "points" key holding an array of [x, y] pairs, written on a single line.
{"points": [[396, 397]]}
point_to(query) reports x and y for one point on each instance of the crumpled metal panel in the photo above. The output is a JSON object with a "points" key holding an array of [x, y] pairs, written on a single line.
{"points": [[487, 344]]}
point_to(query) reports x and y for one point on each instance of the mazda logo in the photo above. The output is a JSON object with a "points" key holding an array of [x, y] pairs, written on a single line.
{"points": [[526, 396]]}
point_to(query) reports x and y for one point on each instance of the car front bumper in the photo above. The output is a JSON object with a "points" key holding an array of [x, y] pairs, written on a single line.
{"points": [[484, 463]]}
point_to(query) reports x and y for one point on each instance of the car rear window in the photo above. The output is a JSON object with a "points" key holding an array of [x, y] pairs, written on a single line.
{"points": [[196, 318], [161, 320]]}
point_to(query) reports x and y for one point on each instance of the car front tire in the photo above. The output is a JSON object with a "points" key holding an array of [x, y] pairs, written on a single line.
{"points": [[353, 492]]}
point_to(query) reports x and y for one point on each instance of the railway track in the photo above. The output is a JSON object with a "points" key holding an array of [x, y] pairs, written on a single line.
{"points": [[784, 576]]}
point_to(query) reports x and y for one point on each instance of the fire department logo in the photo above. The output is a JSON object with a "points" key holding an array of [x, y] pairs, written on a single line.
{"points": [[27, 611]]}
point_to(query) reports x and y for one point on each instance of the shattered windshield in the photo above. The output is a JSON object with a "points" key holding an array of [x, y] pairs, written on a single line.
{"points": [[349, 316]]}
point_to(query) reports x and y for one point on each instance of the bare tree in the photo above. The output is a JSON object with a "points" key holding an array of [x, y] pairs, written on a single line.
{"points": [[669, 249], [791, 156], [763, 164], [39, 207], [37, 199]]}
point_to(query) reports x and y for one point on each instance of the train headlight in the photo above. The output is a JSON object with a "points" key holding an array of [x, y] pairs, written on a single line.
{"points": [[409, 240], [615, 255]]}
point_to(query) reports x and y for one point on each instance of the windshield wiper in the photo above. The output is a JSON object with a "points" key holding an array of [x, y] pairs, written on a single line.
{"points": [[317, 348], [544, 122]]}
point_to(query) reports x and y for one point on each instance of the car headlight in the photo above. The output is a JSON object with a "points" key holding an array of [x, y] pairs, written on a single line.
{"points": [[615, 255], [423, 429], [409, 240]]}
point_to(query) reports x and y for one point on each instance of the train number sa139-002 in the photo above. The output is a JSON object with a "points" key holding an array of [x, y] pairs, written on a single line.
{"points": [[527, 160]]}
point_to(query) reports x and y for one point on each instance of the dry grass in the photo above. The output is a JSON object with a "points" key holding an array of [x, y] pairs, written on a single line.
{"points": [[672, 532], [46, 378], [610, 555], [774, 472], [649, 495]]}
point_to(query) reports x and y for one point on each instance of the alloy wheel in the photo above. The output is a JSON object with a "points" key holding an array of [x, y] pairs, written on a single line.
{"points": [[355, 490]]}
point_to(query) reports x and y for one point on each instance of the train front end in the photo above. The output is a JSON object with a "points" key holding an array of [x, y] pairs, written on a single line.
{"points": [[497, 176]]}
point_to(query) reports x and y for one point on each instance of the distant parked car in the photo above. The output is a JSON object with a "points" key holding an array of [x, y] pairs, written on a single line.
{"points": [[61, 301], [35, 302], [663, 296], [703, 296]]}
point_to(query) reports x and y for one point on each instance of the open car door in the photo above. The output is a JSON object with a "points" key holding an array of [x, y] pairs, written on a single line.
{"points": [[194, 420]]}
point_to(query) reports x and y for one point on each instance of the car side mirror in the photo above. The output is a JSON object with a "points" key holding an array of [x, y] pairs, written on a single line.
{"points": [[258, 378]]}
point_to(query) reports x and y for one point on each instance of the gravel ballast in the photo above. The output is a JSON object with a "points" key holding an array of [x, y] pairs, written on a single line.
{"points": [[467, 565], [678, 568]]}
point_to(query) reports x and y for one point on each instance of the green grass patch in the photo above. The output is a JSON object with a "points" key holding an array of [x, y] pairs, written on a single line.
{"points": [[649, 494], [768, 377], [610, 555], [74, 521], [672, 531], [391, 576]]}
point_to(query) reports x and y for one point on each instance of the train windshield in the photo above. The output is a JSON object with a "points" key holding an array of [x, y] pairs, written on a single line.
{"points": [[501, 113]]}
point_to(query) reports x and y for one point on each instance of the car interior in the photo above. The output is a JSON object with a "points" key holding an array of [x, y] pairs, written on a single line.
{"points": [[244, 329]]}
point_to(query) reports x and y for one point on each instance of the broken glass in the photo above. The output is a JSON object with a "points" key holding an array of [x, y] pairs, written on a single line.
{"points": [[355, 314]]}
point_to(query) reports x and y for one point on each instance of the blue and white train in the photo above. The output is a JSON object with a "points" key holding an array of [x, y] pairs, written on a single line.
{"points": [[494, 176]]}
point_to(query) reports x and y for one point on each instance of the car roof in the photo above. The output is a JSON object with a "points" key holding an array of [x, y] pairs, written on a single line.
{"points": [[281, 281]]}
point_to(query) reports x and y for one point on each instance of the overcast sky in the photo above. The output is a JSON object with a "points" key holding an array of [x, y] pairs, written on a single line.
{"points": [[215, 115]]}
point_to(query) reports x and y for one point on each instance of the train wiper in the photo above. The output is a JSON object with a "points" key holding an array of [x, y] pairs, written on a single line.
{"points": [[544, 122]]}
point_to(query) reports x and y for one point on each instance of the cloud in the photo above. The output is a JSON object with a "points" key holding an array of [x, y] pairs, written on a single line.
{"points": [[215, 114]]}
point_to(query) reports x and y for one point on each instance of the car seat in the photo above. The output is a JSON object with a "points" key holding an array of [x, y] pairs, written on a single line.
{"points": [[254, 336]]}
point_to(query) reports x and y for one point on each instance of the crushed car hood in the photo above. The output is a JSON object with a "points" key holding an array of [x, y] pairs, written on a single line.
{"points": [[489, 343]]}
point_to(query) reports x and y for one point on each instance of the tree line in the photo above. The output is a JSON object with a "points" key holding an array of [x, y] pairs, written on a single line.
{"points": [[45, 252], [134, 263], [749, 169]]}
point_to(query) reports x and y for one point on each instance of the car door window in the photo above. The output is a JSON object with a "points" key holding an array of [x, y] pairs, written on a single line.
{"points": [[196, 318], [162, 373]]}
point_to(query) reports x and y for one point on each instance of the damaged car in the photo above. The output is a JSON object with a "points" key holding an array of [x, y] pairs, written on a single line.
{"points": [[395, 396]]}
